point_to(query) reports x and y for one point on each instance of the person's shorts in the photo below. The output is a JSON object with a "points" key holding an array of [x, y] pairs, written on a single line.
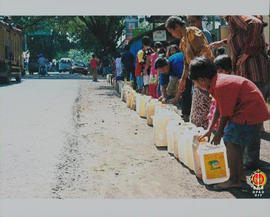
{"points": [[146, 79], [139, 80], [241, 134]]}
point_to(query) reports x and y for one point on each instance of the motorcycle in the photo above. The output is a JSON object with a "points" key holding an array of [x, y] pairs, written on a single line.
{"points": [[42, 71]]}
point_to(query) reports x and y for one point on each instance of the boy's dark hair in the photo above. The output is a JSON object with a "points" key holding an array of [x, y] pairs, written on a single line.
{"points": [[161, 51], [161, 62], [126, 47], [93, 56], [223, 62], [174, 46], [172, 21], [158, 44], [202, 67], [220, 51], [146, 41]]}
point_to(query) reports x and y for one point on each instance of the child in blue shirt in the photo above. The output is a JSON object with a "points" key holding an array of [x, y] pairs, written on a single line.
{"points": [[170, 71]]}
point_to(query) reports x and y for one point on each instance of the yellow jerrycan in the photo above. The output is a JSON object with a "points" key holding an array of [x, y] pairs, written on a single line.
{"points": [[133, 100], [214, 163], [129, 96], [142, 105]]}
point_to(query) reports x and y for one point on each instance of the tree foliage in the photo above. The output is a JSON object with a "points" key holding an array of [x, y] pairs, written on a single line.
{"points": [[98, 34]]}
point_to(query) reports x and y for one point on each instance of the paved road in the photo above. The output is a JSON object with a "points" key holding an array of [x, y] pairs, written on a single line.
{"points": [[36, 117]]}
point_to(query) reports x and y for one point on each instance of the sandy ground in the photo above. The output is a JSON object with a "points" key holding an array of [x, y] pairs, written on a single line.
{"points": [[113, 155]]}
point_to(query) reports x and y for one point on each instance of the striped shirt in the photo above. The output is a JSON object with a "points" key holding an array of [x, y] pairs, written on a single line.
{"points": [[246, 37]]}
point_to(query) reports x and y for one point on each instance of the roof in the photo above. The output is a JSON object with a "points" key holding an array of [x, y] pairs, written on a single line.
{"points": [[13, 27]]}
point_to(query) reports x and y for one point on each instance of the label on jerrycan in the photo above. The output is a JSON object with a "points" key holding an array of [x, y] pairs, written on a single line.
{"points": [[215, 165]]}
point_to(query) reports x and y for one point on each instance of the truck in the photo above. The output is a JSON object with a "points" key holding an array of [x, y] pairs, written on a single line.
{"points": [[11, 52]]}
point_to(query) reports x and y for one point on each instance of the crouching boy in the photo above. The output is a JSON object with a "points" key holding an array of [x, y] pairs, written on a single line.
{"points": [[238, 101]]}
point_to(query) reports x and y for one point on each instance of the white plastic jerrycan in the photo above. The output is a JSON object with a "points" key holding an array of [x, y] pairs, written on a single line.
{"points": [[160, 122], [196, 157], [214, 163], [120, 86], [189, 144], [182, 135], [172, 128], [150, 110]]}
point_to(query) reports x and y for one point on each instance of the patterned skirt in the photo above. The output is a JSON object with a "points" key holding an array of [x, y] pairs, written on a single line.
{"points": [[201, 102]]}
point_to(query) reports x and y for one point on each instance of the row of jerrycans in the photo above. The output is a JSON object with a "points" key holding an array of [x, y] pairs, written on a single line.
{"points": [[209, 162]]}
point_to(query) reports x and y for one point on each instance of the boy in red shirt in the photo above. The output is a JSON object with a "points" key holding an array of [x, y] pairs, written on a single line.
{"points": [[93, 65], [239, 101]]}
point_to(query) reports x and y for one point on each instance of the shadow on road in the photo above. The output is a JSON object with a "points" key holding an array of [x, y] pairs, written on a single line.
{"points": [[108, 94], [266, 136], [10, 84], [57, 77], [105, 88]]}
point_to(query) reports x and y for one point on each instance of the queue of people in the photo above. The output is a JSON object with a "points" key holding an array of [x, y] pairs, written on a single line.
{"points": [[220, 93]]}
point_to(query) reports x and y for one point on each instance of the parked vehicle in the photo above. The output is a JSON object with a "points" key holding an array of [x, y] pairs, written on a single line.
{"points": [[65, 64], [11, 52], [79, 67]]}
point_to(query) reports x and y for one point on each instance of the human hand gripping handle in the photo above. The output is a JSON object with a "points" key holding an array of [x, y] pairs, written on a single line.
{"points": [[217, 138], [206, 134]]}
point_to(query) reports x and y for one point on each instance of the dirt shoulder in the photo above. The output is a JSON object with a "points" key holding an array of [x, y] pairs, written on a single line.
{"points": [[117, 158]]}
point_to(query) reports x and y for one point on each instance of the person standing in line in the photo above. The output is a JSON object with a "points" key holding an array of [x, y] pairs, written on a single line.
{"points": [[118, 68], [94, 64], [26, 60], [193, 43], [143, 63], [249, 60], [238, 100], [197, 22], [172, 49], [127, 59], [153, 72]]}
